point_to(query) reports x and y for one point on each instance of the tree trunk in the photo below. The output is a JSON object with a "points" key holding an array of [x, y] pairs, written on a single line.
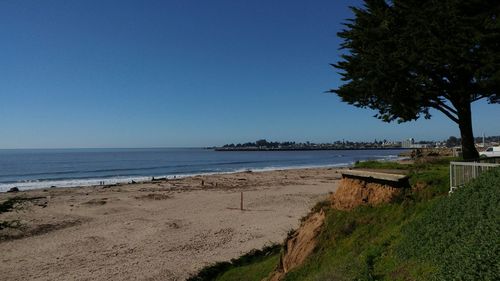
{"points": [[469, 150]]}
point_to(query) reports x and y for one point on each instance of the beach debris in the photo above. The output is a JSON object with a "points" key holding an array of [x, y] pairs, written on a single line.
{"points": [[20, 203], [96, 202], [158, 179], [13, 189], [21, 230], [174, 225], [154, 196], [241, 201]]}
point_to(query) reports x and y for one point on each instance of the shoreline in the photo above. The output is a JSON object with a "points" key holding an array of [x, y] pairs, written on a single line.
{"points": [[162, 230], [270, 149], [78, 183], [81, 177]]}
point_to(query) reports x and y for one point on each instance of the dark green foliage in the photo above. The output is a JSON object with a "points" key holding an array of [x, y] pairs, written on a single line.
{"points": [[428, 179], [372, 164], [321, 205], [212, 272], [452, 141], [256, 271], [406, 57], [355, 245], [459, 235], [428, 236]]}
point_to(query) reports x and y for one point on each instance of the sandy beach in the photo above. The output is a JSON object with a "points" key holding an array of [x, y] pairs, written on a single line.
{"points": [[163, 230]]}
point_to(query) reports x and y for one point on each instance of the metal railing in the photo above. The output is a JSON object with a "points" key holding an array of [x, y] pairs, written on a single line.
{"points": [[463, 172]]}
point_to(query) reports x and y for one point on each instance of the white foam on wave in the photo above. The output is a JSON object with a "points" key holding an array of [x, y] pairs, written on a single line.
{"points": [[27, 185]]}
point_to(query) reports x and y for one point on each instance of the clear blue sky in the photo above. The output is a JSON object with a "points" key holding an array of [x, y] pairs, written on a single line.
{"points": [[99, 73]]}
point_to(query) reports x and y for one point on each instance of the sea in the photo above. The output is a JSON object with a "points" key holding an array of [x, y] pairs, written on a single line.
{"points": [[45, 168]]}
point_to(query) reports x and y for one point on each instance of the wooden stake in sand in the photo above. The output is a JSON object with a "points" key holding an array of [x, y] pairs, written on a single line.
{"points": [[241, 201]]}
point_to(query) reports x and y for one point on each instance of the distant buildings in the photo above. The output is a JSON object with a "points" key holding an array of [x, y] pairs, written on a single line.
{"points": [[408, 143]]}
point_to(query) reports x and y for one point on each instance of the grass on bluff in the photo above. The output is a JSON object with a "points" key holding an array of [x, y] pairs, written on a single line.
{"points": [[459, 235], [255, 265], [427, 236], [428, 179]]}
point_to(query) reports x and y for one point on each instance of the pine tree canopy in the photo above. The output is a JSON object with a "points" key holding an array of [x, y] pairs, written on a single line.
{"points": [[404, 57]]}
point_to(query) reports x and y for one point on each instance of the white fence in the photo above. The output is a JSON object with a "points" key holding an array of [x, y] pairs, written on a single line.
{"points": [[462, 172]]}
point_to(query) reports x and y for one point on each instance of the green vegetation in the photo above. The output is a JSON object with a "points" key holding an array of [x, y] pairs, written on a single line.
{"points": [[460, 236], [406, 57], [427, 236], [352, 244], [252, 272], [373, 164], [428, 178], [254, 265]]}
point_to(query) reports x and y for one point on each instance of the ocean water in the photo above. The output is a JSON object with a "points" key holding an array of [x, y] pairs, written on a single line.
{"points": [[42, 168]]}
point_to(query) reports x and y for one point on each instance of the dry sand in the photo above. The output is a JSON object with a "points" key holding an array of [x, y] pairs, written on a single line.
{"points": [[163, 230]]}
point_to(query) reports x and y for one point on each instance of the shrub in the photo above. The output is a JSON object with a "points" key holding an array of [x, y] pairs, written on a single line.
{"points": [[459, 235]]}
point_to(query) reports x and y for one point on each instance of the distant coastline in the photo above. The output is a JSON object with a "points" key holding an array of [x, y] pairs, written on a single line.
{"points": [[302, 148], [264, 145]]}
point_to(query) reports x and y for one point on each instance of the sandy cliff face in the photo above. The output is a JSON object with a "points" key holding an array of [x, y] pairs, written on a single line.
{"points": [[299, 245], [355, 192], [351, 193]]}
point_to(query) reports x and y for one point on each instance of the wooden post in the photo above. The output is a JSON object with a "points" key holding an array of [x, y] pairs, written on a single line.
{"points": [[241, 201]]}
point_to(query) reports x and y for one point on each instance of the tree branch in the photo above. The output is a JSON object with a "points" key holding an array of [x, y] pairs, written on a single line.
{"points": [[447, 107], [478, 97], [445, 111]]}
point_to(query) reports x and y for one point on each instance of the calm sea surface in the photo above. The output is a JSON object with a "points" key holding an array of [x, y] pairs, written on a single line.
{"points": [[41, 168]]}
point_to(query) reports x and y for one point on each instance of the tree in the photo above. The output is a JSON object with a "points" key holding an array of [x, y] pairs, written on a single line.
{"points": [[260, 143], [406, 57], [452, 141]]}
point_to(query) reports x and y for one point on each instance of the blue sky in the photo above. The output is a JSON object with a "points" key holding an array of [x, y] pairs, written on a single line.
{"points": [[183, 73]]}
